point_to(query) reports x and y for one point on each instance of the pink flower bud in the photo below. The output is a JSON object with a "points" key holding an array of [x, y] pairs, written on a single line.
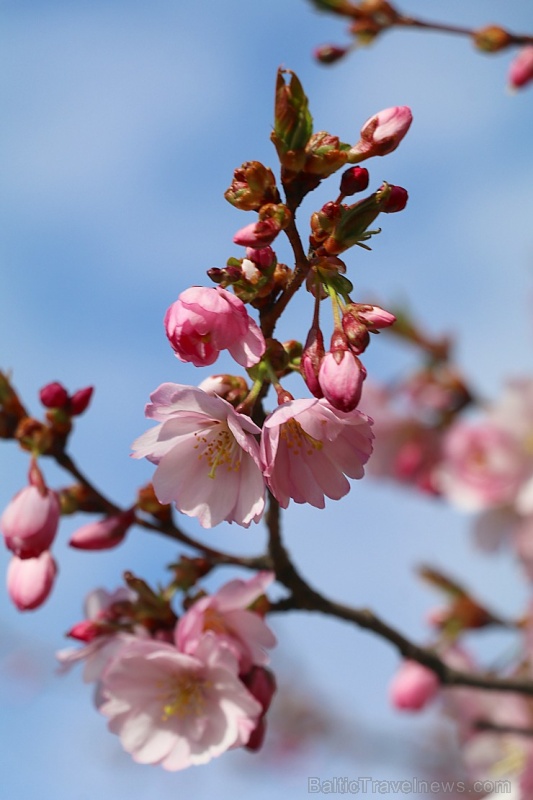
{"points": [[376, 317], [30, 580], [261, 684], [258, 234], [312, 356], [104, 534], [261, 256], [341, 379], [521, 68], [413, 686], [53, 395], [80, 400], [396, 201], [29, 522], [86, 630], [354, 179], [382, 133]]}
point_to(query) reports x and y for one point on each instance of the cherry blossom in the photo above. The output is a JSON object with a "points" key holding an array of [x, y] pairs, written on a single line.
{"points": [[204, 321], [175, 709], [226, 613], [308, 447], [207, 456]]}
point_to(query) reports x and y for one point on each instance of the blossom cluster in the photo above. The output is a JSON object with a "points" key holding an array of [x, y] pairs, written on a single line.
{"points": [[482, 465], [179, 694]]}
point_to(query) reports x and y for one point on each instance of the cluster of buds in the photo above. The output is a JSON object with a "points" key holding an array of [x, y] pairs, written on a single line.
{"points": [[337, 226], [306, 157], [368, 19], [29, 526], [256, 279], [338, 374]]}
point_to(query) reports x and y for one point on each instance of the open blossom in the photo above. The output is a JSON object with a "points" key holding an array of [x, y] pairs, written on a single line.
{"points": [[483, 466], [29, 522], [206, 454], [204, 321], [226, 614], [175, 709], [30, 580], [308, 448]]}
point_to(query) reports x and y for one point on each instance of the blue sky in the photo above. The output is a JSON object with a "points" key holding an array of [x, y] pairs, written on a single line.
{"points": [[122, 124]]}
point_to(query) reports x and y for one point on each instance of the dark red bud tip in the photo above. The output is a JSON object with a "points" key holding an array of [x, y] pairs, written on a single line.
{"points": [[329, 53], [396, 201], [354, 179], [53, 395], [80, 400]]}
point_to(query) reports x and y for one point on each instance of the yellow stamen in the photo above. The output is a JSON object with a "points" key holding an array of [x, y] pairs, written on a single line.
{"points": [[183, 696], [297, 439], [219, 448]]}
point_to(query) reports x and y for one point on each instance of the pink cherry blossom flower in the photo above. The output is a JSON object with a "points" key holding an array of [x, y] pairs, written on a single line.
{"points": [[413, 686], [30, 580], [174, 709], [226, 614], [521, 68], [382, 133], [483, 466], [341, 377], [207, 456], [405, 448], [29, 522], [103, 534], [204, 321], [308, 447]]}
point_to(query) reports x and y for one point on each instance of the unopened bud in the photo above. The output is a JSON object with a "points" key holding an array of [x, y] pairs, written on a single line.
{"points": [[80, 400], [53, 395], [258, 234], [329, 53], [293, 124], [30, 580], [521, 69], [396, 200], [354, 179], [382, 133], [413, 687], [325, 154], [341, 379], [232, 388], [104, 534], [253, 185], [491, 39], [312, 356]]}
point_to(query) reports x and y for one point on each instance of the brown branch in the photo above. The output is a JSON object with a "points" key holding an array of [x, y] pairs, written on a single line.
{"points": [[304, 598], [493, 727], [165, 528], [301, 269]]}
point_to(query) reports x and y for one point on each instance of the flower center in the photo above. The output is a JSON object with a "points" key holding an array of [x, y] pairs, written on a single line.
{"points": [[184, 696], [219, 449], [213, 621], [297, 440]]}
